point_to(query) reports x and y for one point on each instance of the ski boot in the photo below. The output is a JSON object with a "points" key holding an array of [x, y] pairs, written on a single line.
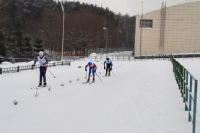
{"points": [[40, 84], [88, 80], [93, 80], [45, 84]]}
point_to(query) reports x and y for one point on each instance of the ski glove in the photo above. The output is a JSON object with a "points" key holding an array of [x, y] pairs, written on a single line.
{"points": [[85, 69], [104, 67]]}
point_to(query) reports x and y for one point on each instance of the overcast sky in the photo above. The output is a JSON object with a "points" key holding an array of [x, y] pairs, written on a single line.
{"points": [[132, 7]]}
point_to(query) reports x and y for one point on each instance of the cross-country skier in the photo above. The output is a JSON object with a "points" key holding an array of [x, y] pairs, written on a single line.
{"points": [[92, 69], [108, 66], [43, 67]]}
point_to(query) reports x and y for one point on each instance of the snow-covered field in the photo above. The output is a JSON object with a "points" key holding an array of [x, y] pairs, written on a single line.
{"points": [[139, 97]]}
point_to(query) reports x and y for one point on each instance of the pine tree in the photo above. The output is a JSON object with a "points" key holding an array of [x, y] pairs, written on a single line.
{"points": [[27, 44], [38, 45], [2, 44]]}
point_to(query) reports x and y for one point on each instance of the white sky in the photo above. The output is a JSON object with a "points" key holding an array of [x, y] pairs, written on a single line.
{"points": [[132, 7]]}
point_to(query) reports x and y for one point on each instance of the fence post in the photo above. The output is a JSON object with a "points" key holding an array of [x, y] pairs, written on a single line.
{"points": [[186, 91], [62, 63], [54, 64], [0, 70], [18, 69], [129, 58], [184, 75], [194, 107], [190, 99]]}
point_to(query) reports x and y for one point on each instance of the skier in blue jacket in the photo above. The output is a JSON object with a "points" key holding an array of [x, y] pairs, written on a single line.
{"points": [[108, 66]]}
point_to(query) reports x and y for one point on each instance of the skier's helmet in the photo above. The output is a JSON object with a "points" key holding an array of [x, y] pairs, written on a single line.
{"points": [[107, 58], [89, 64]]}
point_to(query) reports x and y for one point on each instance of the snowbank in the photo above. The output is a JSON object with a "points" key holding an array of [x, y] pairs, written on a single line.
{"points": [[6, 63]]}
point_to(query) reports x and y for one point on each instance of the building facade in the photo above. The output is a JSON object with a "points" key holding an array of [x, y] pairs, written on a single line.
{"points": [[170, 30]]}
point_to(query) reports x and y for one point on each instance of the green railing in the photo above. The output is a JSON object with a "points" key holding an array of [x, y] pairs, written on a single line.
{"points": [[188, 88], [30, 67]]}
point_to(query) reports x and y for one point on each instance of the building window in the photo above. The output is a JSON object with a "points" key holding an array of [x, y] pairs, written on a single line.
{"points": [[146, 23]]}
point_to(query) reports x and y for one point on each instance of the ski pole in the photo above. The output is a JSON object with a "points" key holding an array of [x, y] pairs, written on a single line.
{"points": [[86, 75], [51, 73], [37, 72], [113, 72], [98, 76]]}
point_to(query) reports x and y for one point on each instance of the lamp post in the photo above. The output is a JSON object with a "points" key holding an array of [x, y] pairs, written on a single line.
{"points": [[43, 36], [63, 29], [118, 30], [141, 31], [106, 31], [117, 34]]}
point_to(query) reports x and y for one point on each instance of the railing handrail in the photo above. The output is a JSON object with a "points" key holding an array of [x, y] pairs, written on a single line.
{"points": [[30, 67], [183, 77]]}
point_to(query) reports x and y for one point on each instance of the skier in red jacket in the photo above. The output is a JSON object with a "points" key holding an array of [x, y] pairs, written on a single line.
{"points": [[92, 69]]}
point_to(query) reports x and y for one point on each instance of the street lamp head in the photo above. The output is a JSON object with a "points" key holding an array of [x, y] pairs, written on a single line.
{"points": [[104, 28]]}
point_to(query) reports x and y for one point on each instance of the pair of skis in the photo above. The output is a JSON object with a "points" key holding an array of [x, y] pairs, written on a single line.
{"points": [[88, 82], [105, 76], [40, 87]]}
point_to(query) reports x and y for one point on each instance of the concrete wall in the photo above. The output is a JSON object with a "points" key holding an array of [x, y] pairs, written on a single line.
{"points": [[181, 34]]}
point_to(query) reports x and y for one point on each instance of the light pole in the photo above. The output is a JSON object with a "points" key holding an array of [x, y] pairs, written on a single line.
{"points": [[106, 31], [63, 29], [43, 35], [133, 35], [125, 38], [141, 31], [117, 34], [118, 30]]}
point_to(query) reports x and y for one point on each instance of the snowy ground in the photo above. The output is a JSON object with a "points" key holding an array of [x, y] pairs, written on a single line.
{"points": [[140, 97]]}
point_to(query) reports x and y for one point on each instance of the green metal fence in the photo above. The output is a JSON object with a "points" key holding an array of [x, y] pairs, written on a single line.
{"points": [[30, 67], [188, 88]]}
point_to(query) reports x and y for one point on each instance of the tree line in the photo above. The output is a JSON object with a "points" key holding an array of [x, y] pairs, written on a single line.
{"points": [[28, 26]]}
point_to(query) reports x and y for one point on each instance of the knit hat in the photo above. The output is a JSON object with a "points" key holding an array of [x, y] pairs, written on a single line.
{"points": [[89, 64], [41, 53]]}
